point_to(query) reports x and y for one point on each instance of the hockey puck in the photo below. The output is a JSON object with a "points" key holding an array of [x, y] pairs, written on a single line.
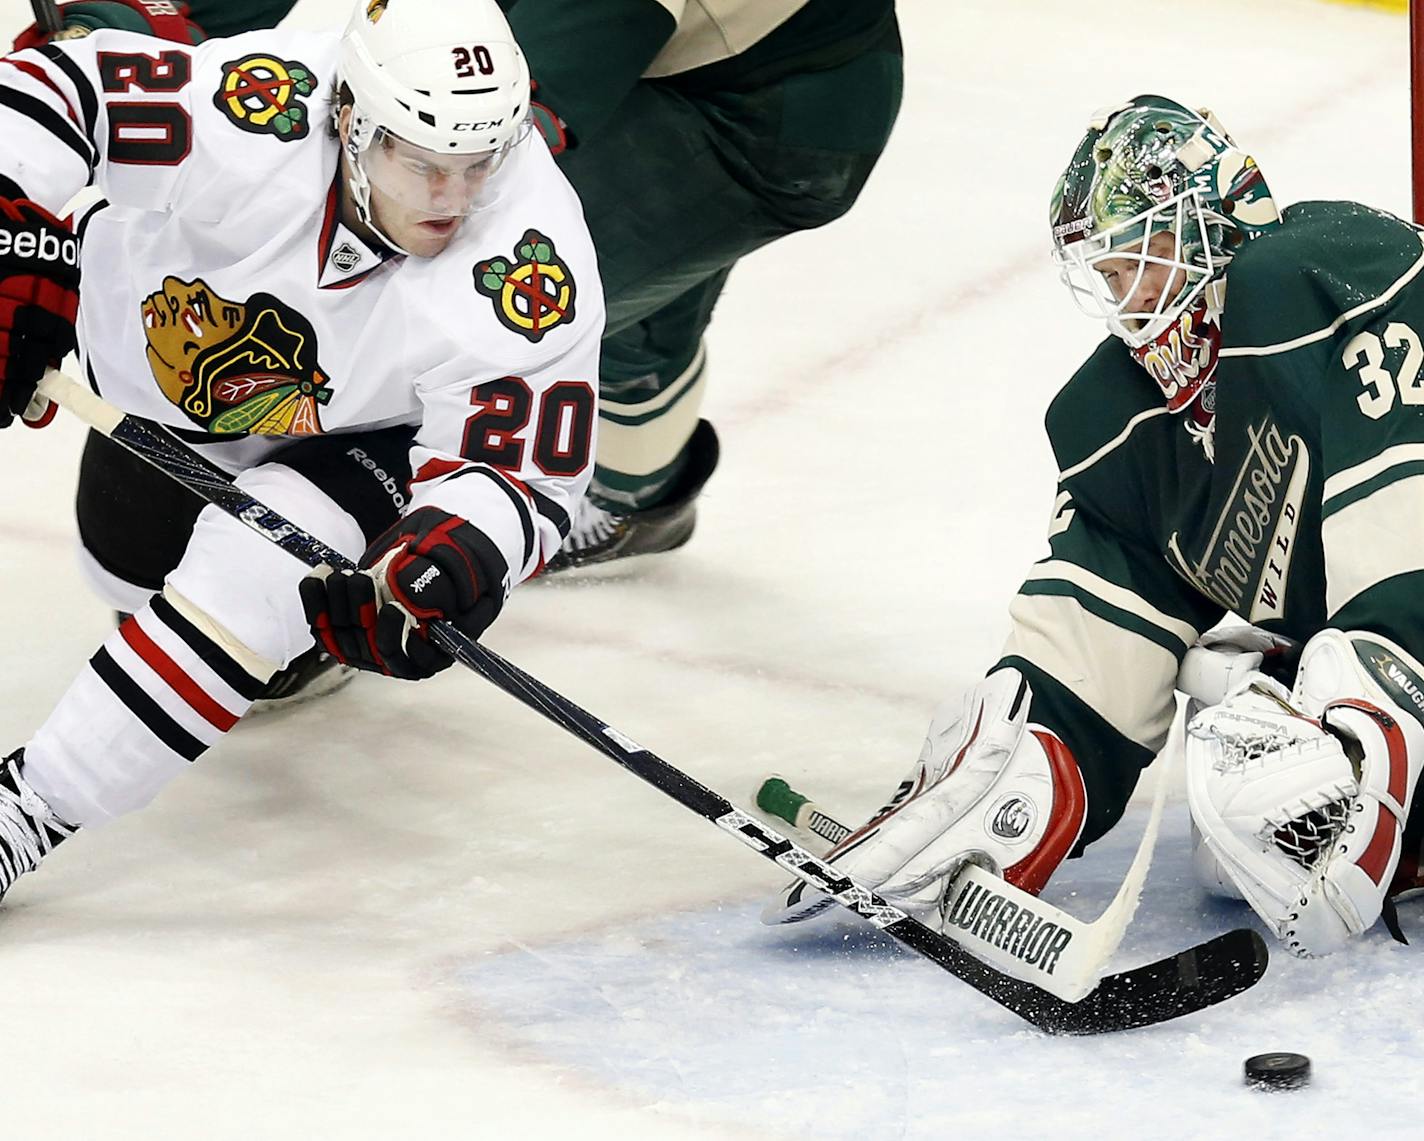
{"points": [[1277, 1071]]}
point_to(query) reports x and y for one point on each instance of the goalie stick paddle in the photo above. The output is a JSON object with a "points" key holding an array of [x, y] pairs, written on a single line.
{"points": [[1193, 980]]}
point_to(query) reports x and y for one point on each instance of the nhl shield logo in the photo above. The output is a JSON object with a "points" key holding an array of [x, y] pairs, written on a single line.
{"points": [[262, 95], [533, 292], [346, 257]]}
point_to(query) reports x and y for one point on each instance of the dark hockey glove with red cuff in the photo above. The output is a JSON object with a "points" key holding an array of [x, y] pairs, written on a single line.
{"points": [[39, 300], [167, 21], [430, 565]]}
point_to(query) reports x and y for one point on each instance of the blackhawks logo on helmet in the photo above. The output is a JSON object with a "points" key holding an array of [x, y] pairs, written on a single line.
{"points": [[262, 94], [235, 366], [375, 10], [533, 292]]}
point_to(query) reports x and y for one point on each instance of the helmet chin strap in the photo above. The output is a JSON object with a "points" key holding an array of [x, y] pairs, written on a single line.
{"points": [[360, 132]]}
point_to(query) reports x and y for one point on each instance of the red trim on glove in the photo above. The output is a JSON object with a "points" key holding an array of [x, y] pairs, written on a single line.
{"points": [[367, 617], [1374, 860], [1393, 739], [1070, 808], [328, 642], [46, 417]]}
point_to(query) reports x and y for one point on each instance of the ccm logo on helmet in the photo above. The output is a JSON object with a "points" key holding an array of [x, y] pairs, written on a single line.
{"points": [[487, 125], [39, 247]]}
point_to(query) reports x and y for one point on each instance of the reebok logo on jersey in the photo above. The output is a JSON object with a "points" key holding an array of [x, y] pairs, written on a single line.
{"points": [[533, 292], [386, 480], [26, 245], [429, 575]]}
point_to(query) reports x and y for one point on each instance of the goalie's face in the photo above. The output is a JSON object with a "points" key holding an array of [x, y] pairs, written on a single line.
{"points": [[1138, 281]]}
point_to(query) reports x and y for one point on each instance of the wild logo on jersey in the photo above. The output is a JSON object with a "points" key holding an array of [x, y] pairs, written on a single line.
{"points": [[234, 366], [261, 94], [533, 292], [1244, 564]]}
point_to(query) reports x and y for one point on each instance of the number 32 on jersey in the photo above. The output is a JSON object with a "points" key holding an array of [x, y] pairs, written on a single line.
{"points": [[1366, 352]]}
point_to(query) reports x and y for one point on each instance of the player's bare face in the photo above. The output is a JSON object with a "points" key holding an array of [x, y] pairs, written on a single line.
{"points": [[420, 198], [1141, 291]]}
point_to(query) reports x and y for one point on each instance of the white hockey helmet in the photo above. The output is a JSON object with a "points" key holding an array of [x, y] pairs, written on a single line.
{"points": [[438, 76]]}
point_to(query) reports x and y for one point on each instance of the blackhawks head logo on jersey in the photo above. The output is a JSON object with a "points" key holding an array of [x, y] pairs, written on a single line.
{"points": [[533, 292], [235, 367]]}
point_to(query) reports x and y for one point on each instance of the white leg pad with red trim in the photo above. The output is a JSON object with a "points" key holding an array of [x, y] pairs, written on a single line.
{"points": [[989, 788], [1300, 798]]}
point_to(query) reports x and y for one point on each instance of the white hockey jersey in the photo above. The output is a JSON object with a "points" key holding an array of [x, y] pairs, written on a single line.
{"points": [[222, 295]]}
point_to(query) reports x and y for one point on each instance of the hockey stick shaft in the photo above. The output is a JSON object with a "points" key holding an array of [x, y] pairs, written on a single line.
{"points": [[47, 15], [152, 443]]}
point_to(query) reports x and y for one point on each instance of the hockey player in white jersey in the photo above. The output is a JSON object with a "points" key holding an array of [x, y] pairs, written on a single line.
{"points": [[345, 269]]}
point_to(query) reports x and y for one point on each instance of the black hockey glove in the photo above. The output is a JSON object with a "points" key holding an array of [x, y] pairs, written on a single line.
{"points": [[39, 300], [430, 565]]}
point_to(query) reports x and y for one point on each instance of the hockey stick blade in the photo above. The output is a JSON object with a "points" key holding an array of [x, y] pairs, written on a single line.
{"points": [[1179, 986]]}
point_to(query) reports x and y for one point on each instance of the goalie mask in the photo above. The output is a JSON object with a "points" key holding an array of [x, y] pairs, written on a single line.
{"points": [[439, 104], [1149, 213]]}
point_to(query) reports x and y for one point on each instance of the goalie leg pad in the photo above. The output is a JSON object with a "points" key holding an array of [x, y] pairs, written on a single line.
{"points": [[989, 788]]}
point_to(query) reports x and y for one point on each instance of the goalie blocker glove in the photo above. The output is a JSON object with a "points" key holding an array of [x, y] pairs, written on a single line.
{"points": [[988, 788], [39, 301], [1299, 798], [429, 566]]}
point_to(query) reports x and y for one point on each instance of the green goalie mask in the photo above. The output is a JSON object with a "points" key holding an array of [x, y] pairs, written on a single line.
{"points": [[1154, 184]]}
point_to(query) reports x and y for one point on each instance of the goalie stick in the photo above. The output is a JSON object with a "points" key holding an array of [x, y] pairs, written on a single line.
{"points": [[1009, 928], [1193, 980]]}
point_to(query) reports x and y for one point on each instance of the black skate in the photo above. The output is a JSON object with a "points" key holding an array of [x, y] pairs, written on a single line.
{"points": [[29, 829], [310, 675], [599, 536]]}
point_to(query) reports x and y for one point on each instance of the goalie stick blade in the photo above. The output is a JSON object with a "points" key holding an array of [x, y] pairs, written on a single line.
{"points": [[1189, 981], [1182, 984]]}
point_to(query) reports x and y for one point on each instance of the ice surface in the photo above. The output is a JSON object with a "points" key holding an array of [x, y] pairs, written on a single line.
{"points": [[422, 912]]}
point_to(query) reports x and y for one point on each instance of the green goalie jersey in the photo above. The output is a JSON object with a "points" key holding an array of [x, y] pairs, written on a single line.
{"points": [[1302, 508]]}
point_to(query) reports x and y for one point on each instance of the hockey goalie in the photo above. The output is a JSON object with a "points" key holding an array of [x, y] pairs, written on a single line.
{"points": [[1248, 441]]}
